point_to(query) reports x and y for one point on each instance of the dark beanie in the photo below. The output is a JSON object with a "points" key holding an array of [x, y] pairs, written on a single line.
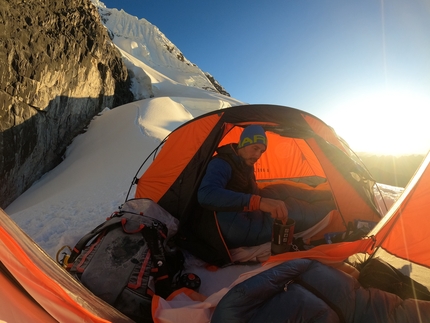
{"points": [[253, 134]]}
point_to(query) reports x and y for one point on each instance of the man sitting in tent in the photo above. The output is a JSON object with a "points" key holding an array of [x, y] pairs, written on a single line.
{"points": [[245, 214]]}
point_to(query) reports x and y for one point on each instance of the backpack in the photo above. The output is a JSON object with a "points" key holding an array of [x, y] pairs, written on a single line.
{"points": [[123, 260]]}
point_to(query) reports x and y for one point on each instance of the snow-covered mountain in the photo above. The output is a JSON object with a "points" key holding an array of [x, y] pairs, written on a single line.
{"points": [[151, 57]]}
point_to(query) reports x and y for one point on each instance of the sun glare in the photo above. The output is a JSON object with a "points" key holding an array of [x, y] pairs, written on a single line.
{"points": [[385, 123]]}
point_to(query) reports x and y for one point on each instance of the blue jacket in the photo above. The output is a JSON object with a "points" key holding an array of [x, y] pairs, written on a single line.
{"points": [[227, 188], [273, 296], [214, 193]]}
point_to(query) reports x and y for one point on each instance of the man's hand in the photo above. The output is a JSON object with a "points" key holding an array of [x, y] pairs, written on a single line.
{"points": [[276, 208]]}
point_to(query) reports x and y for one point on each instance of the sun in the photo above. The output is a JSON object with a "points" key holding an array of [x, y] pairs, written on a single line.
{"points": [[387, 123]]}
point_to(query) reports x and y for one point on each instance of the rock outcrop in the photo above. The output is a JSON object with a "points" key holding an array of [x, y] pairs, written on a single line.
{"points": [[58, 68], [216, 84]]}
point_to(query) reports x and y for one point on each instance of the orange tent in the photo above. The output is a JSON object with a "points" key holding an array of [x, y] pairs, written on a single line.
{"points": [[302, 149]]}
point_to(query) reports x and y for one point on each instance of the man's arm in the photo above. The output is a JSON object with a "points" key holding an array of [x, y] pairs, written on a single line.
{"points": [[213, 195]]}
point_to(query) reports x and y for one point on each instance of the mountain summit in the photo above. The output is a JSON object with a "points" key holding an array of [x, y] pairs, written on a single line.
{"points": [[145, 48]]}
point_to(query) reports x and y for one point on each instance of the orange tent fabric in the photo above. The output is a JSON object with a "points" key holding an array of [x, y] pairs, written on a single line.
{"points": [[404, 231], [39, 284], [180, 148], [28, 311]]}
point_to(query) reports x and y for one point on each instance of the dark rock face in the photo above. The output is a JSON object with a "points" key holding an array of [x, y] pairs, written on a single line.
{"points": [[58, 68], [217, 86]]}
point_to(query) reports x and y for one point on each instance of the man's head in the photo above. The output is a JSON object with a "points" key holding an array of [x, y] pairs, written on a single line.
{"points": [[252, 144]]}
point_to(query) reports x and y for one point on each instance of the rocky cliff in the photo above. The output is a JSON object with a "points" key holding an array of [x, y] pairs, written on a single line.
{"points": [[58, 68]]}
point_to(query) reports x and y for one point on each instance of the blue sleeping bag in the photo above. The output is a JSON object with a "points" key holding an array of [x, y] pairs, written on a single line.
{"points": [[304, 290]]}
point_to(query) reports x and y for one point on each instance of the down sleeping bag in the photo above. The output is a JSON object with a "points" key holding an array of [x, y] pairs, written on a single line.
{"points": [[304, 290]]}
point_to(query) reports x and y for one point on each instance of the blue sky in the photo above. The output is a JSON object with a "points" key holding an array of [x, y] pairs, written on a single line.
{"points": [[354, 64]]}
